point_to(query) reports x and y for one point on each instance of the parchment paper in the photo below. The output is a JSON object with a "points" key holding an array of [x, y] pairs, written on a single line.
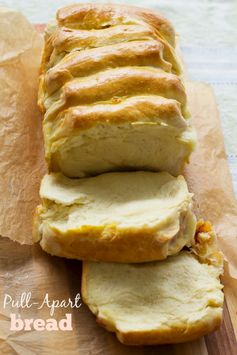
{"points": [[21, 154], [25, 267]]}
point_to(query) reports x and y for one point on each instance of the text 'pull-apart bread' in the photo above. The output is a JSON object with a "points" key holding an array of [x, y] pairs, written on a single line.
{"points": [[120, 217], [175, 300], [111, 92]]}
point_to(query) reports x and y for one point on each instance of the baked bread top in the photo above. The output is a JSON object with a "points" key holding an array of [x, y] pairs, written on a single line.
{"points": [[112, 94], [175, 300], [90, 39], [97, 16]]}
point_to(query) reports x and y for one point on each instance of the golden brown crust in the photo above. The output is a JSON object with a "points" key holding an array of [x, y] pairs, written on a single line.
{"points": [[205, 246], [65, 40], [111, 244], [100, 16], [84, 26], [104, 55], [170, 335], [91, 61], [118, 83], [178, 334], [143, 109]]}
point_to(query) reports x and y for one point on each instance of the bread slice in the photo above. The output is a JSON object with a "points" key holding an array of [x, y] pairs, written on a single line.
{"points": [[175, 300], [121, 217], [111, 93]]}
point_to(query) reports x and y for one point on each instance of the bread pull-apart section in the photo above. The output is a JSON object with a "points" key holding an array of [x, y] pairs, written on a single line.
{"points": [[103, 56], [92, 61], [120, 217], [175, 300]]}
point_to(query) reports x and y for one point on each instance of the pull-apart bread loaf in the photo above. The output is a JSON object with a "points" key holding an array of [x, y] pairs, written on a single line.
{"points": [[114, 104], [120, 217], [112, 94], [175, 300]]}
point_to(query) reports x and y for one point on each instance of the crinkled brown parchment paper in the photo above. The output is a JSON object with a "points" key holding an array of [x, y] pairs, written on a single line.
{"points": [[21, 158], [26, 268]]}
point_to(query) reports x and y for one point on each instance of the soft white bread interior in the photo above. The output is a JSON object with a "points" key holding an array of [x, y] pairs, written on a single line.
{"points": [[175, 300], [112, 93], [120, 217]]}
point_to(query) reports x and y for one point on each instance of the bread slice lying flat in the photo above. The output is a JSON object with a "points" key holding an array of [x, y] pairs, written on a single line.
{"points": [[111, 93], [121, 217], [175, 300]]}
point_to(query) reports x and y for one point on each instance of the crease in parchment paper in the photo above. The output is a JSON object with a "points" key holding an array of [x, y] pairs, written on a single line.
{"points": [[25, 267]]}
